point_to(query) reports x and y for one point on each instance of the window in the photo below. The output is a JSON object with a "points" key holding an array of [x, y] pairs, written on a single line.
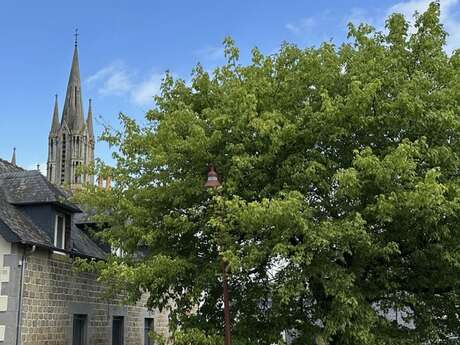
{"points": [[118, 330], [79, 329], [51, 149], [63, 158], [148, 327], [59, 232], [75, 172], [117, 252]]}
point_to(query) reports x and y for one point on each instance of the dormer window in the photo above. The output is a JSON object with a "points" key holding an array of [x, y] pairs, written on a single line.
{"points": [[59, 232]]}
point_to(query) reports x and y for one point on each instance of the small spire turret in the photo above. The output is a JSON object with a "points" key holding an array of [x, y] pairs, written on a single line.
{"points": [[13, 158], [89, 120], [55, 120]]}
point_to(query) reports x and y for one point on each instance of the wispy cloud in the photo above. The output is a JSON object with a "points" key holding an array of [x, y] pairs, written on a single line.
{"points": [[117, 79], [143, 92], [210, 53], [408, 8], [376, 16], [301, 26], [114, 79], [449, 17], [359, 15]]}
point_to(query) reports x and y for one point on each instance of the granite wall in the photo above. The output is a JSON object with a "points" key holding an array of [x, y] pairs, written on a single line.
{"points": [[53, 293]]}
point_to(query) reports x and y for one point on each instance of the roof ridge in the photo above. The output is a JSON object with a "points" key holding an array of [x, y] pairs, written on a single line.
{"points": [[13, 174], [11, 165]]}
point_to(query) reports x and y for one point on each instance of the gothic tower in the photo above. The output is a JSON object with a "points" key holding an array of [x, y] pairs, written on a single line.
{"points": [[71, 140]]}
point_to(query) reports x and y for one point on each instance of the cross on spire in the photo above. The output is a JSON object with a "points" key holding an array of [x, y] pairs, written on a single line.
{"points": [[76, 34]]}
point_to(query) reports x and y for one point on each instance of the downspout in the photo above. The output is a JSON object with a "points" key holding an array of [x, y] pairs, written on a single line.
{"points": [[21, 291]]}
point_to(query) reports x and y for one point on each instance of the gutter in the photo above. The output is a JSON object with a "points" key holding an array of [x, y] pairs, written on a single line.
{"points": [[21, 292], [71, 253]]}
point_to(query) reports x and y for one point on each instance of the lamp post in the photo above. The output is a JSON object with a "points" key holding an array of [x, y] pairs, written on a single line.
{"points": [[213, 182]]}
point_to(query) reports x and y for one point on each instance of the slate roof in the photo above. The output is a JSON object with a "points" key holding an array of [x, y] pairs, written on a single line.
{"points": [[31, 187], [6, 167], [16, 227], [84, 245], [18, 188]]}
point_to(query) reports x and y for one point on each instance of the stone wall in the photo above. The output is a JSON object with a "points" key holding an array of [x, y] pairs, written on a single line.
{"points": [[7, 315], [53, 292]]}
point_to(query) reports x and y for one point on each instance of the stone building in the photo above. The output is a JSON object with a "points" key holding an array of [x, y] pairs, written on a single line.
{"points": [[71, 139], [43, 300]]}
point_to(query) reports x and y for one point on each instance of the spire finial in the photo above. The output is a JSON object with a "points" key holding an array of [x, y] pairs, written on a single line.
{"points": [[13, 159], [76, 34]]}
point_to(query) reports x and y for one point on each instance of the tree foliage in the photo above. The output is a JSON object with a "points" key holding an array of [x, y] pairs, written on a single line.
{"points": [[339, 207]]}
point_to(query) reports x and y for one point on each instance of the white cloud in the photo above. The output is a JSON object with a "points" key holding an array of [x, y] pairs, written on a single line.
{"points": [[449, 17], [301, 26], [113, 79], [143, 92], [117, 79], [449, 13], [408, 8]]}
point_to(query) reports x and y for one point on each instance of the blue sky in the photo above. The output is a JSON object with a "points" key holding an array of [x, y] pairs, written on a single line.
{"points": [[126, 46]]}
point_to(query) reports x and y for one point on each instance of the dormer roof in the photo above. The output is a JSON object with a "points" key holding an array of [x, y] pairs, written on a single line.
{"points": [[20, 189], [31, 187]]}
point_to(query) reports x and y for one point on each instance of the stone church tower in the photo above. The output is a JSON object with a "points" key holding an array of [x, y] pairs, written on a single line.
{"points": [[71, 140]]}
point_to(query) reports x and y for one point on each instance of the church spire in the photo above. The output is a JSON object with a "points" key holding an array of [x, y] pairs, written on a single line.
{"points": [[89, 121], [55, 121], [13, 159], [72, 144], [72, 115]]}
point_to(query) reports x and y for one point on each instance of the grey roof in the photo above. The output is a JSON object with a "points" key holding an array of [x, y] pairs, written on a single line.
{"points": [[16, 227], [72, 115], [31, 187], [6, 167], [19, 188], [84, 218], [84, 245]]}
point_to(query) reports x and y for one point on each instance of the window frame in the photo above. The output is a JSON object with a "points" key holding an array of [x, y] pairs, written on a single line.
{"points": [[84, 331], [56, 222], [121, 319], [150, 322]]}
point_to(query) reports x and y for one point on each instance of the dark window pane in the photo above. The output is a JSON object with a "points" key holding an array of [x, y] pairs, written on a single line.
{"points": [[117, 330], [79, 330], [60, 232], [148, 326]]}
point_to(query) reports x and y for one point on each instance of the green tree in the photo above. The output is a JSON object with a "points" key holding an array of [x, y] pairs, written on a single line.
{"points": [[340, 198]]}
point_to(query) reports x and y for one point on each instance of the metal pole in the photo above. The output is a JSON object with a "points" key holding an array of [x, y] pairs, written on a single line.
{"points": [[227, 334], [213, 182]]}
